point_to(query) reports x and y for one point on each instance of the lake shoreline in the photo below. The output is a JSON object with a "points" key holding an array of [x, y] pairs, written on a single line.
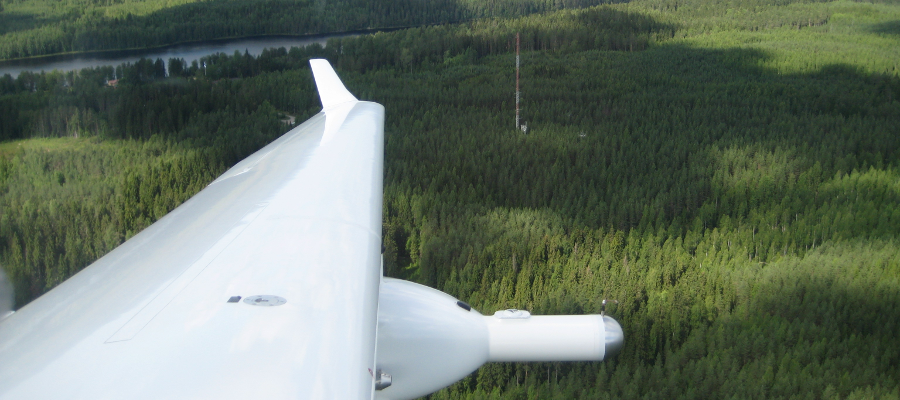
{"points": [[225, 40]]}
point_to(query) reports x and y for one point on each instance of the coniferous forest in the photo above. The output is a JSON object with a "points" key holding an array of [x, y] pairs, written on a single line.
{"points": [[729, 171], [31, 28]]}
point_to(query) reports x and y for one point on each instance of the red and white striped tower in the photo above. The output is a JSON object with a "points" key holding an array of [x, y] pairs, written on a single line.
{"points": [[517, 80]]}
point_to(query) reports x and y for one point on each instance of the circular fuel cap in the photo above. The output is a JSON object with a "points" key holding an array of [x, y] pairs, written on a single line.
{"points": [[265, 300]]}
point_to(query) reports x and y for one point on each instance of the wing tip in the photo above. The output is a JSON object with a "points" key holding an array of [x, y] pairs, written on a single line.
{"points": [[331, 90]]}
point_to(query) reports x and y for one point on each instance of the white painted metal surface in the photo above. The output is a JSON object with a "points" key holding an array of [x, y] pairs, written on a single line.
{"points": [[427, 341], [300, 219], [512, 313], [547, 338], [331, 90]]}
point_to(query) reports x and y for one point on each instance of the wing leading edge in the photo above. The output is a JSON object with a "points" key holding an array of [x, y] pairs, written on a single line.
{"points": [[300, 219]]}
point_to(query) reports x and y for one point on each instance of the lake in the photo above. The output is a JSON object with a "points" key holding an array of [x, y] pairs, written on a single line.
{"points": [[188, 51]]}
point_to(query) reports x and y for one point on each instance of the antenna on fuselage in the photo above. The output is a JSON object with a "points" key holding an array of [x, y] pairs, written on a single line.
{"points": [[603, 305]]}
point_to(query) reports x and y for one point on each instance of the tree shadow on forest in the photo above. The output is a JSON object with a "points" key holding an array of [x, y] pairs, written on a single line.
{"points": [[810, 312], [889, 28], [640, 139], [229, 19], [634, 150], [16, 22], [819, 292]]}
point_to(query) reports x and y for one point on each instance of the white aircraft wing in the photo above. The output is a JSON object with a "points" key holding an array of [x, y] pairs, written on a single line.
{"points": [[267, 285], [298, 223]]}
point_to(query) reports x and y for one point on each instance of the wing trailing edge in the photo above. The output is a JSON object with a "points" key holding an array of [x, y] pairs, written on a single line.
{"points": [[332, 91]]}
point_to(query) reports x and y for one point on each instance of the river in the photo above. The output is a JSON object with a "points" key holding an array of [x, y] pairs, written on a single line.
{"points": [[189, 52]]}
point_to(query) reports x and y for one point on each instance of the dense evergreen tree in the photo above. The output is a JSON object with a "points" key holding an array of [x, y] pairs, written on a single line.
{"points": [[733, 182], [40, 27]]}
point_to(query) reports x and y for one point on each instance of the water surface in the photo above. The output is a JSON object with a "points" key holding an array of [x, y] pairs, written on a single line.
{"points": [[189, 52]]}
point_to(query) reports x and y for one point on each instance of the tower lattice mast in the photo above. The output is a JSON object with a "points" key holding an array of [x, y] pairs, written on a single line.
{"points": [[517, 80]]}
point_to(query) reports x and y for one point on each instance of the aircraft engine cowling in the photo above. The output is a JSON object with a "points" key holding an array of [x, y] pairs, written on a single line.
{"points": [[428, 340]]}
